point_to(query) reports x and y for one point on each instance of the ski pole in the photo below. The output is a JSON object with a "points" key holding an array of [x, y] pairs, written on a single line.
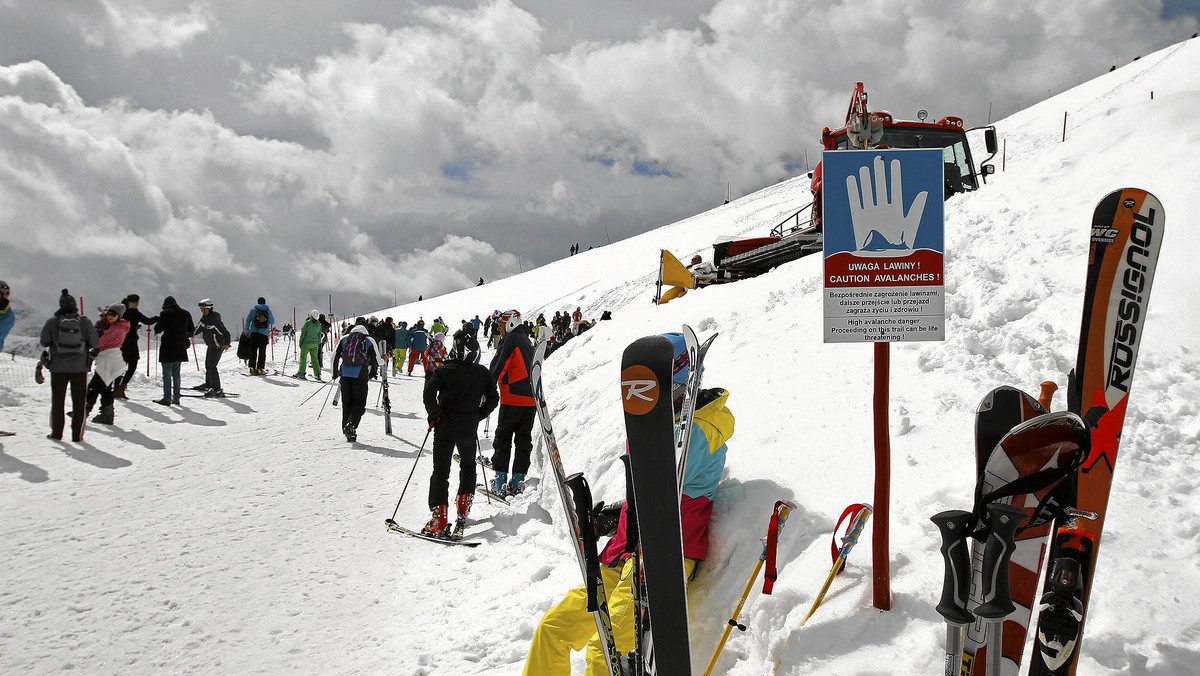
{"points": [[288, 351], [392, 520], [487, 490], [316, 392], [486, 421], [338, 389], [778, 516], [997, 595], [851, 538], [956, 584]]}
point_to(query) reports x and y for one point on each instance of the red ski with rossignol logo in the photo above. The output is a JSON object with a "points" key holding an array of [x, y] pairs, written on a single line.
{"points": [[1126, 235]]}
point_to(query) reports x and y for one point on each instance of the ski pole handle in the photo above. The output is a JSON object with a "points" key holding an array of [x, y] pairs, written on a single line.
{"points": [[1046, 396], [956, 584], [997, 597]]}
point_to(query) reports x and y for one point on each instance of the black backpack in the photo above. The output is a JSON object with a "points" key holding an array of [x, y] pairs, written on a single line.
{"points": [[69, 337], [262, 319]]}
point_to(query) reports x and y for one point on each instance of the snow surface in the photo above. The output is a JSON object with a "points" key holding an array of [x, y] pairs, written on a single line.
{"points": [[246, 536]]}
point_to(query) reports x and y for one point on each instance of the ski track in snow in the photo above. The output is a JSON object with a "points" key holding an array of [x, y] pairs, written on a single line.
{"points": [[246, 536]]}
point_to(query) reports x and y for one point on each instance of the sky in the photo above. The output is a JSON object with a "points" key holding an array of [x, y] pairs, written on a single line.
{"points": [[376, 151]]}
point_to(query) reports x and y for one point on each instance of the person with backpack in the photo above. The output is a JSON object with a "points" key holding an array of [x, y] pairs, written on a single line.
{"points": [[109, 364], [456, 396], [400, 348], [418, 342], [475, 324], [569, 625], [310, 345], [438, 326], [356, 362], [129, 349], [218, 339], [514, 426], [259, 321], [176, 328], [71, 340]]}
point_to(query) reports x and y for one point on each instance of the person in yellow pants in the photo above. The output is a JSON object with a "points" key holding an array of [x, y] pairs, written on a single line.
{"points": [[569, 626]]}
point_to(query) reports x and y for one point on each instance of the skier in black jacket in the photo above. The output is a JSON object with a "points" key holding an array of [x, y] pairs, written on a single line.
{"points": [[176, 328], [217, 339], [457, 396], [129, 349]]}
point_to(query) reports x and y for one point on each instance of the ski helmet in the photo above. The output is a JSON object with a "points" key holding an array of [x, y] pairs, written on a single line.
{"points": [[511, 319], [4, 286], [315, 314], [206, 303], [465, 348]]}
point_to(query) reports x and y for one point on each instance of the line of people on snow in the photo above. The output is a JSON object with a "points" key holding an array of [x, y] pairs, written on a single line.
{"points": [[74, 346]]}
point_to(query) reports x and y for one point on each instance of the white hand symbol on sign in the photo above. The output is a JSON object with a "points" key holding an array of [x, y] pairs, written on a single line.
{"points": [[894, 231]]}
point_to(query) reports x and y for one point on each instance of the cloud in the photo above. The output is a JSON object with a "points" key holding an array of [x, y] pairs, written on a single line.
{"points": [[438, 144], [136, 30], [118, 199]]}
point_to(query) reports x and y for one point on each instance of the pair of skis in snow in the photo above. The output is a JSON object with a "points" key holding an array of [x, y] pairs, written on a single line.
{"points": [[1044, 478], [653, 529]]}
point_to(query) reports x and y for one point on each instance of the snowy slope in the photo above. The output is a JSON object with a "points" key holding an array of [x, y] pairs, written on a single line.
{"points": [[244, 536]]}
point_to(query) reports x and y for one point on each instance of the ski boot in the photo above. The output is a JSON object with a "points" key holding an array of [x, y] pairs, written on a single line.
{"points": [[215, 393], [199, 388], [438, 525], [105, 417], [1061, 607], [300, 376], [463, 503], [497, 487], [515, 486], [351, 432]]}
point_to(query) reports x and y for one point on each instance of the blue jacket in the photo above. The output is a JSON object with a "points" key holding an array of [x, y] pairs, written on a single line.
{"points": [[354, 371], [250, 328], [418, 339], [7, 318], [402, 336]]}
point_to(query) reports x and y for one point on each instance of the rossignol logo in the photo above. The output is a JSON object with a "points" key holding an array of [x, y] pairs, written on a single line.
{"points": [[1129, 203], [639, 390], [1130, 310]]}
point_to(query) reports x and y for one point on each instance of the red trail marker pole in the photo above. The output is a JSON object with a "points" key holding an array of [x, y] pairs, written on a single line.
{"points": [[880, 564]]}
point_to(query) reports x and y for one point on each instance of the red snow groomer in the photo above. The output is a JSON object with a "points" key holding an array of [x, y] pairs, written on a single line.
{"points": [[800, 234]]}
